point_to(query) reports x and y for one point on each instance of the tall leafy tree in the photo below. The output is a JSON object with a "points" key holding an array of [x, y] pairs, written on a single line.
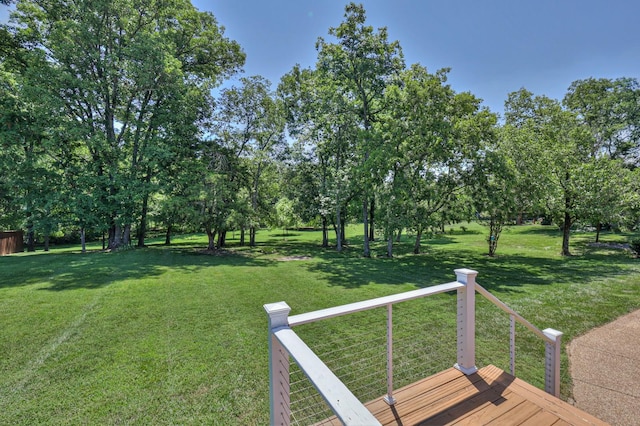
{"points": [[611, 111], [606, 190], [494, 194], [251, 122], [438, 136], [116, 69], [325, 128], [562, 150], [362, 63]]}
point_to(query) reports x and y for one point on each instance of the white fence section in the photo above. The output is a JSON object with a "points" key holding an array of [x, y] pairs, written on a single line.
{"points": [[284, 344]]}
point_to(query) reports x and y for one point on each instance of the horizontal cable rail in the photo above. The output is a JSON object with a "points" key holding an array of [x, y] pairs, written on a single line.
{"points": [[343, 403], [513, 313], [367, 371], [337, 311]]}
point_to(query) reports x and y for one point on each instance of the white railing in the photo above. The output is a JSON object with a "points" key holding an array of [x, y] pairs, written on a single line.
{"points": [[285, 343]]}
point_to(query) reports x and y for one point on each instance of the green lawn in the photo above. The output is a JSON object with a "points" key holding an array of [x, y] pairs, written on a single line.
{"points": [[168, 335]]}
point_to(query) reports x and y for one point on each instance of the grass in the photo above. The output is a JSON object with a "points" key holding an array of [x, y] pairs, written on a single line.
{"points": [[168, 335]]}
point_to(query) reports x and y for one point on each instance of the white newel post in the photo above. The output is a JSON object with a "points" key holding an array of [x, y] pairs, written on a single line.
{"points": [[466, 321], [552, 362], [278, 365]]}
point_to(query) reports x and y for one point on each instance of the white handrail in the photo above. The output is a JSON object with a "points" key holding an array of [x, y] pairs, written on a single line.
{"points": [[343, 403], [510, 311], [337, 311], [284, 342]]}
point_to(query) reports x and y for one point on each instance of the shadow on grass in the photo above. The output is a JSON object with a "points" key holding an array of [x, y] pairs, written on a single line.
{"points": [[504, 274], [348, 269], [550, 230], [70, 271]]}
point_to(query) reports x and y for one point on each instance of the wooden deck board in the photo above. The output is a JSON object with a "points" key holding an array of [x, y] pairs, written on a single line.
{"points": [[490, 396]]}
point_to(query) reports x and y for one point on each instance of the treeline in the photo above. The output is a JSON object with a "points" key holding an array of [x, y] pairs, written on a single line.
{"points": [[108, 124]]}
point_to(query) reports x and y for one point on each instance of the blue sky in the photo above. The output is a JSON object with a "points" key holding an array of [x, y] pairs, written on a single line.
{"points": [[493, 47]]}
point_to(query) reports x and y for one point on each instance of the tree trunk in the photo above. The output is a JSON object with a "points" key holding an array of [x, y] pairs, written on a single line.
{"points": [[115, 237], [222, 236], [519, 220], [598, 229], [325, 233], [495, 229], [83, 240], [242, 236], [416, 246], [372, 233], [399, 236], [566, 229], [390, 245], [31, 240], [212, 239], [126, 235], [167, 236], [365, 219], [142, 229], [46, 241], [339, 236], [252, 236]]}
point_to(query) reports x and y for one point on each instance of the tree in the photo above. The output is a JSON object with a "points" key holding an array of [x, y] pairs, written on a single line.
{"points": [[122, 73], [318, 115], [437, 137], [562, 149], [606, 191], [32, 180], [10, 153], [362, 63], [250, 121], [611, 111], [286, 216], [494, 194], [218, 196]]}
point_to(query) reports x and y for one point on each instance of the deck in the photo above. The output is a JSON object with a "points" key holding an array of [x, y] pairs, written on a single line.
{"points": [[490, 396]]}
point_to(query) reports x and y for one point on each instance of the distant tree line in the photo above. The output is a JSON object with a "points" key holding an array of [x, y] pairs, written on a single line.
{"points": [[108, 125]]}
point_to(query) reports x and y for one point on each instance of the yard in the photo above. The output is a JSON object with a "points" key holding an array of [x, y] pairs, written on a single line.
{"points": [[175, 335]]}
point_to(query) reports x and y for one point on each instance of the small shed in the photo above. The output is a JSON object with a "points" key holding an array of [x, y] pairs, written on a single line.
{"points": [[11, 242]]}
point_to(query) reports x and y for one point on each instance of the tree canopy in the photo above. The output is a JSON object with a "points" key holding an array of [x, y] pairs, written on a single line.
{"points": [[109, 125]]}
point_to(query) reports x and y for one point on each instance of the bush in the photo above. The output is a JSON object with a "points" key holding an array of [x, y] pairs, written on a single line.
{"points": [[634, 245]]}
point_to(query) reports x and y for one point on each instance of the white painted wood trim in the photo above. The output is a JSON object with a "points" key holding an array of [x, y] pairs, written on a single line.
{"points": [[279, 391], [344, 404], [552, 367], [466, 358], [337, 311]]}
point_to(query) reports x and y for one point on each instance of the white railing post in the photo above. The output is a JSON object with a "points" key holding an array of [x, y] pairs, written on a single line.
{"points": [[278, 365], [389, 399], [466, 321], [552, 362], [512, 344]]}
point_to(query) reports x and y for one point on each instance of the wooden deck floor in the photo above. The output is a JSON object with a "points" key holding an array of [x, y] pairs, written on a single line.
{"points": [[490, 396]]}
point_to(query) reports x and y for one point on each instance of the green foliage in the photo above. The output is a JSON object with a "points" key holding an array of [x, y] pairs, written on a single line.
{"points": [[128, 88], [107, 122], [610, 109], [250, 122], [575, 180], [361, 63]]}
